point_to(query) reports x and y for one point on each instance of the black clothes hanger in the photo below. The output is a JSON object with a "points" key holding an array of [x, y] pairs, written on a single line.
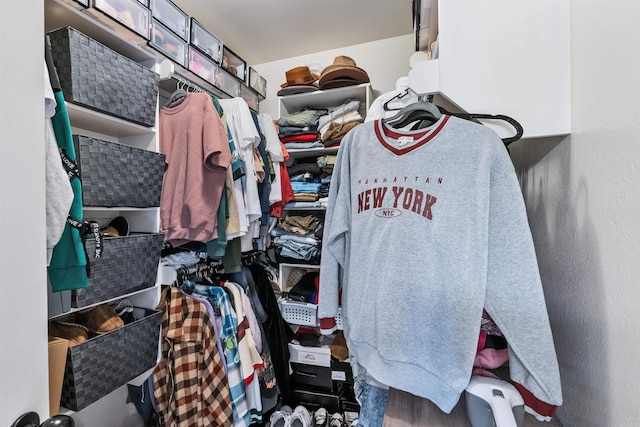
{"points": [[206, 272], [423, 111], [400, 95], [472, 116]]}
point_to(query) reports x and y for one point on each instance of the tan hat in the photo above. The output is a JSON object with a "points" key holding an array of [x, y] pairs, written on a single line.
{"points": [[343, 72], [299, 76]]}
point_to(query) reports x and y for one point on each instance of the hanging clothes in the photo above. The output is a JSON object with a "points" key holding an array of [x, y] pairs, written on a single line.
{"points": [[197, 151], [423, 241], [59, 195], [68, 267], [277, 331], [246, 138], [190, 383]]}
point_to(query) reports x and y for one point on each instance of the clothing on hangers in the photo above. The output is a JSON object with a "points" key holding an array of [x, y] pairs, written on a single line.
{"points": [[433, 233]]}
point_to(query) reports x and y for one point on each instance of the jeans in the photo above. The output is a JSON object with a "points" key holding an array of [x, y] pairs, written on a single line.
{"points": [[373, 403]]}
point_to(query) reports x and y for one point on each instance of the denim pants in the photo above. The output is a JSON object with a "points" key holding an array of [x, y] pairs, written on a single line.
{"points": [[373, 403]]}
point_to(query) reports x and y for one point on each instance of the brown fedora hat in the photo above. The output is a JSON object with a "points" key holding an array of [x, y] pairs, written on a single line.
{"points": [[344, 72], [299, 76]]}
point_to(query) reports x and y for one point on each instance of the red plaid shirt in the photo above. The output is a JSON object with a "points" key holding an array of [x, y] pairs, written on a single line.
{"points": [[190, 382]]}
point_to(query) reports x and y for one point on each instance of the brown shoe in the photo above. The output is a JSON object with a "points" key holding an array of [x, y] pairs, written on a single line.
{"points": [[72, 332], [100, 319]]}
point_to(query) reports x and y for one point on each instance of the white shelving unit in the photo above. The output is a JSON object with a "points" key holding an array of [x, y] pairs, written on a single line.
{"points": [[322, 99], [85, 121], [502, 57]]}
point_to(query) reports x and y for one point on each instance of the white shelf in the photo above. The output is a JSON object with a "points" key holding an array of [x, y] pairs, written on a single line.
{"points": [[510, 58], [285, 269], [297, 153], [291, 206], [325, 98], [62, 13], [129, 295], [88, 119], [117, 209]]}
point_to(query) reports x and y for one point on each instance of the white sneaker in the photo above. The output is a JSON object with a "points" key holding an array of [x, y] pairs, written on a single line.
{"points": [[337, 420], [280, 418], [300, 417]]}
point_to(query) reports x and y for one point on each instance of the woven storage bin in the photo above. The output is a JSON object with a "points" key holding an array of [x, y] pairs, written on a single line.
{"points": [[128, 264], [101, 364], [115, 175], [96, 77]]}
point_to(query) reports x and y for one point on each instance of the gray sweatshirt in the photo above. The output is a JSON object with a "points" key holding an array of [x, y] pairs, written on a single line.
{"points": [[423, 229]]}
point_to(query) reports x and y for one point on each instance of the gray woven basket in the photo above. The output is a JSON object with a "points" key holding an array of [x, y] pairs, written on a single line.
{"points": [[101, 364], [128, 264], [114, 175], [96, 77]]}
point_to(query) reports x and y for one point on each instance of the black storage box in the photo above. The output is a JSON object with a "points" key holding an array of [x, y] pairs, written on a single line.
{"points": [[118, 175], [128, 264], [314, 400], [101, 364], [311, 376], [341, 371], [99, 78]]}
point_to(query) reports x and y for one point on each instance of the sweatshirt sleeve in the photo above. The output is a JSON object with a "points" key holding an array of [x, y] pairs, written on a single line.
{"points": [[335, 240], [514, 294]]}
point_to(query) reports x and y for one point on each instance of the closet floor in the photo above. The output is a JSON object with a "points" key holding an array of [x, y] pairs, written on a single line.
{"points": [[406, 410]]}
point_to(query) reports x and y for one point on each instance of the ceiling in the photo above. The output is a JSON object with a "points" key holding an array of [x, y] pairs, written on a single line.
{"points": [[267, 30]]}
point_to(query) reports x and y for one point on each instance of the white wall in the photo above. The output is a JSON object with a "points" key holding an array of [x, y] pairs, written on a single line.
{"points": [[383, 60], [582, 195], [23, 281]]}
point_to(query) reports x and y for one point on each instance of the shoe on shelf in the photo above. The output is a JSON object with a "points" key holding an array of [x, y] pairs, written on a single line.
{"points": [[100, 319], [337, 420], [73, 332], [300, 417], [280, 418], [117, 227], [320, 418]]}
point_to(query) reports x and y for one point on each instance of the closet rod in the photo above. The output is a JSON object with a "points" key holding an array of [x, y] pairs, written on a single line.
{"points": [[168, 71]]}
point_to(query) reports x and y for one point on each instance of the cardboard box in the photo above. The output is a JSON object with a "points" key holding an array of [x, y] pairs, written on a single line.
{"points": [[319, 356], [57, 360]]}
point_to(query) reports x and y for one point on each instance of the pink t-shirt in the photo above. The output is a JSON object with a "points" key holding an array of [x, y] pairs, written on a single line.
{"points": [[195, 142]]}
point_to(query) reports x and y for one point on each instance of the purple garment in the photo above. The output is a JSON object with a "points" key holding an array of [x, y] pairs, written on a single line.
{"points": [[214, 320]]}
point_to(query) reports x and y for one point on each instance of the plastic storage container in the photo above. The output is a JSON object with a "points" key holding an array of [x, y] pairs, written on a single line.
{"points": [[130, 13], [205, 41], [234, 64], [172, 16], [227, 83], [168, 43], [250, 96], [257, 83], [202, 65]]}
